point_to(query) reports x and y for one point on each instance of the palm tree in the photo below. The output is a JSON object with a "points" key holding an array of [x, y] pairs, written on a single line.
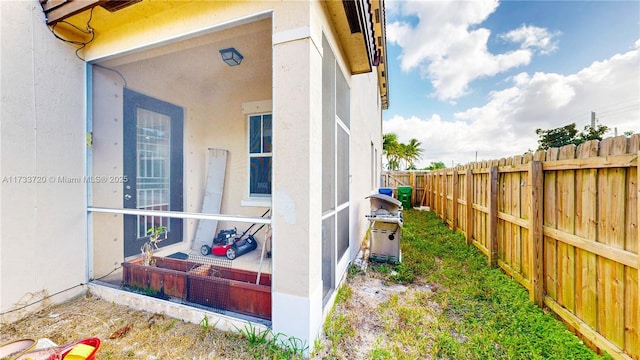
{"points": [[412, 152], [391, 148], [398, 153]]}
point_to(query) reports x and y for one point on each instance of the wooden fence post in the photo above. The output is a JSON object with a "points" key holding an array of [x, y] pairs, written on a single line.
{"points": [[434, 191], [536, 239], [454, 201], [492, 239], [469, 209], [427, 191], [414, 188], [442, 195]]}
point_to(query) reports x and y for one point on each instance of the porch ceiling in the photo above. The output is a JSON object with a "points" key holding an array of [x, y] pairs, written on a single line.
{"points": [[360, 26], [196, 63]]}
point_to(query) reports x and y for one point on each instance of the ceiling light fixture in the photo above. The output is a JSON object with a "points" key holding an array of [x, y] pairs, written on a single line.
{"points": [[231, 56]]}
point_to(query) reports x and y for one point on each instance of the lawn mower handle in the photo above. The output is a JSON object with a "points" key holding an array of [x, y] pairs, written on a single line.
{"points": [[252, 225]]}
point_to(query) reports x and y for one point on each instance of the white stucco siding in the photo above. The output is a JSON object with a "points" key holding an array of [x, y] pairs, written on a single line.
{"points": [[42, 222], [366, 128], [297, 209]]}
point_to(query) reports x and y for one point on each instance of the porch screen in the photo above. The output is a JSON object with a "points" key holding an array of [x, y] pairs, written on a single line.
{"points": [[335, 167]]}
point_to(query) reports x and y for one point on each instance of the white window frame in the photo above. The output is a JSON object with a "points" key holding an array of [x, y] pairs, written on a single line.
{"points": [[253, 108]]}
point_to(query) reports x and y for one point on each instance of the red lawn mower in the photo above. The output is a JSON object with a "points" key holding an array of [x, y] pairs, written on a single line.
{"points": [[227, 244]]}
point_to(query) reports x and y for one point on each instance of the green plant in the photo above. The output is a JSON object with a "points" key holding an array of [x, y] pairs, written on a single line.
{"points": [[147, 290], [382, 268], [154, 238], [254, 335], [354, 270], [266, 343], [344, 294], [380, 353], [205, 323], [317, 346], [170, 325], [295, 346]]}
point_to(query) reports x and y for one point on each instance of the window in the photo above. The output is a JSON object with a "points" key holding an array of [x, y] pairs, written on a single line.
{"points": [[260, 155]]}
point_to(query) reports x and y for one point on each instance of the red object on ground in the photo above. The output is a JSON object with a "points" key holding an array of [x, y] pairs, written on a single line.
{"points": [[66, 349]]}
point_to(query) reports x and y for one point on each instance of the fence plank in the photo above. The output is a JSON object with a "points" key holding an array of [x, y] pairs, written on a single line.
{"points": [[492, 242], [454, 201], [565, 218], [604, 251], [585, 227], [516, 230], [550, 245], [414, 186], [525, 206], [536, 240], [600, 162], [632, 285], [505, 244], [611, 232], [469, 206]]}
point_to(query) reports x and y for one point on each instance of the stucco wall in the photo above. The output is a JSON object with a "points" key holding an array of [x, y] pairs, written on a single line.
{"points": [[366, 128], [42, 223]]}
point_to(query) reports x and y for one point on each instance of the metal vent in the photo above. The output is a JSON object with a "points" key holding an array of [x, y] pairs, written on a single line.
{"points": [[115, 5]]}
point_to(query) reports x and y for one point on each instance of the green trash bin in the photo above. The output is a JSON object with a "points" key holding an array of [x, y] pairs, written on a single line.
{"points": [[404, 195]]}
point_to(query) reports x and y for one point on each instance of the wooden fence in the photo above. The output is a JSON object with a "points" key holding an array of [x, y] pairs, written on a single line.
{"points": [[561, 222], [415, 178]]}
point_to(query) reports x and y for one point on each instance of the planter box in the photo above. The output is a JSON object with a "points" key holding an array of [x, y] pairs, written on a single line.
{"points": [[209, 285], [166, 278], [231, 289]]}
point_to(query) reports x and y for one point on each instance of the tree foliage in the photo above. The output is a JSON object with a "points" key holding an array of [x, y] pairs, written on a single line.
{"points": [[568, 134], [399, 154], [436, 165]]}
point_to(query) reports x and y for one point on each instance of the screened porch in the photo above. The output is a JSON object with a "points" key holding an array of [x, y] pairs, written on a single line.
{"points": [[179, 139]]}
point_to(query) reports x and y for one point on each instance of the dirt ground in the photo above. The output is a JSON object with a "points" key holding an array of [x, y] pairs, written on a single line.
{"points": [[131, 334]]}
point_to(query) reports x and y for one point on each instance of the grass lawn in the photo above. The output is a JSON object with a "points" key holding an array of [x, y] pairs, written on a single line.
{"points": [[453, 307]]}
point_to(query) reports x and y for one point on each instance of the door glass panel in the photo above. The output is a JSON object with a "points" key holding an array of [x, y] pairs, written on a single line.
{"points": [[153, 151]]}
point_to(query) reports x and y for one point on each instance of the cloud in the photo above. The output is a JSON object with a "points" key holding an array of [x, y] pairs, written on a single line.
{"points": [[441, 40], [505, 126], [533, 37]]}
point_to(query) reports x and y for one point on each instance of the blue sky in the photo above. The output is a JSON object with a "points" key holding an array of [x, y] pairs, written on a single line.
{"points": [[475, 79]]}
